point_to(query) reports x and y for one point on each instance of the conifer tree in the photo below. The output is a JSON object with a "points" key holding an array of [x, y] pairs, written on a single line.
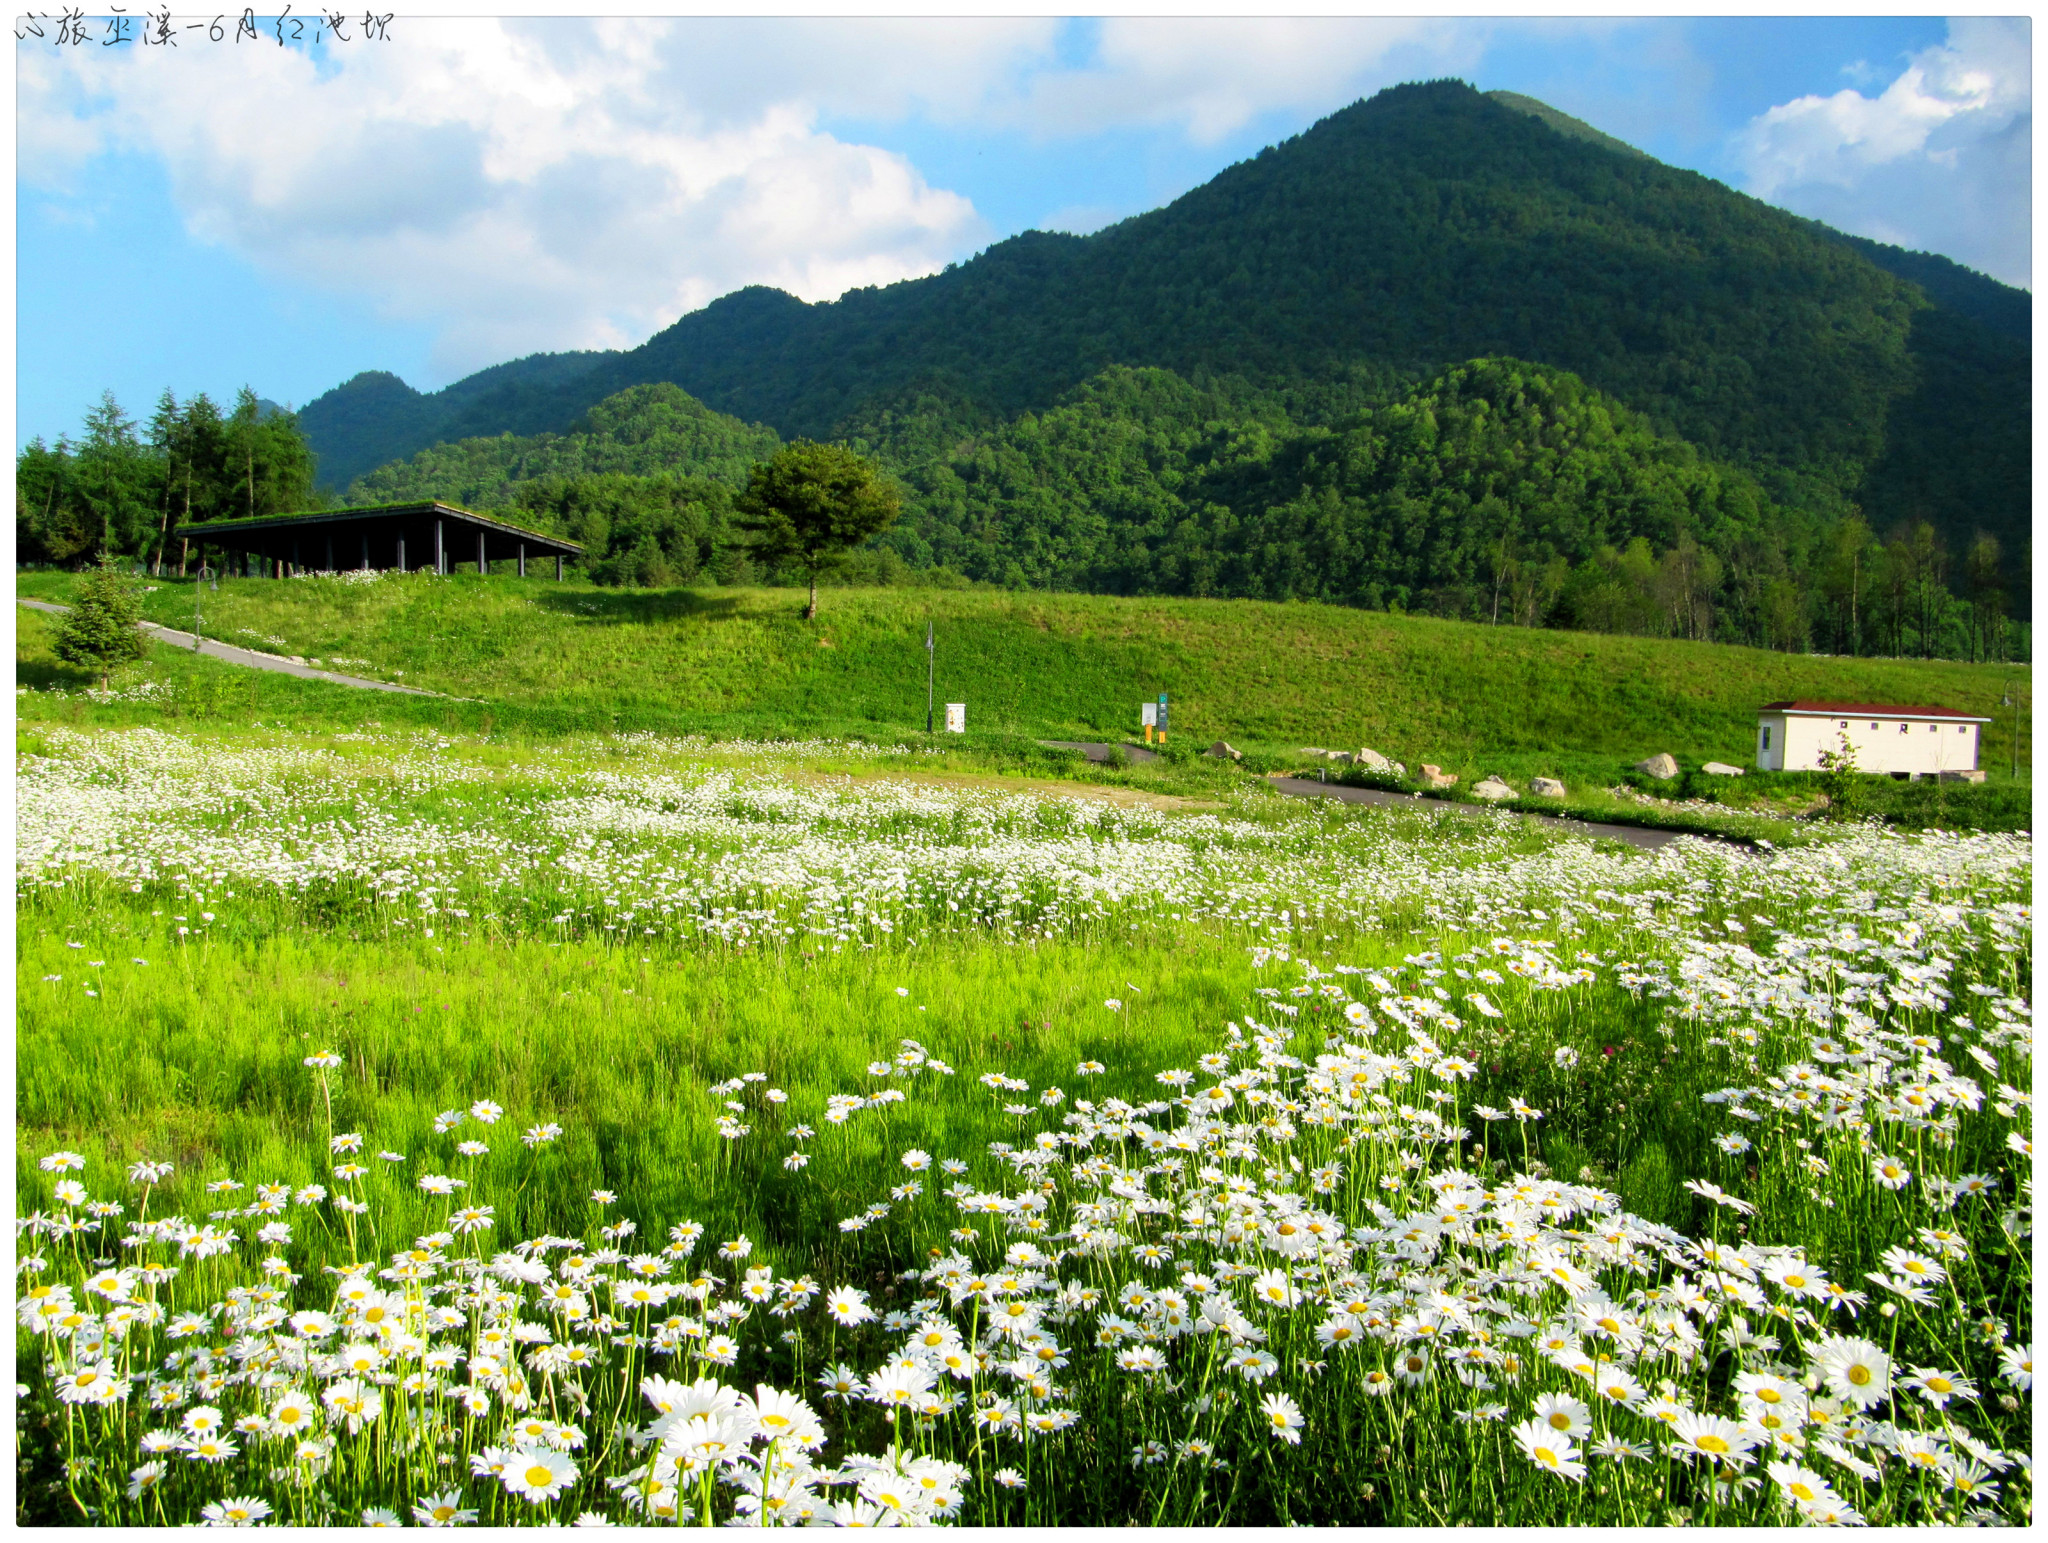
{"points": [[99, 631]]}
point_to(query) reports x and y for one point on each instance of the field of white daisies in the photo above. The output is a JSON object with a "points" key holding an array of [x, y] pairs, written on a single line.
{"points": [[420, 1132]]}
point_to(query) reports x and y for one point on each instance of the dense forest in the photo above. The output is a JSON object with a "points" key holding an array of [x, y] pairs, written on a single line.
{"points": [[1424, 227], [1497, 491]]}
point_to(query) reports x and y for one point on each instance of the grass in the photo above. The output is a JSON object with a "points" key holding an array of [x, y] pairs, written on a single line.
{"points": [[509, 900], [1269, 676], [284, 908]]}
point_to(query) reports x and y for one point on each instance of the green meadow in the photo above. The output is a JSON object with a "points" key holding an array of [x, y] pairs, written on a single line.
{"points": [[552, 1101], [741, 663]]}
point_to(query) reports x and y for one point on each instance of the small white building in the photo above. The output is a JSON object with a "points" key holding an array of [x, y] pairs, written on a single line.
{"points": [[1901, 741]]}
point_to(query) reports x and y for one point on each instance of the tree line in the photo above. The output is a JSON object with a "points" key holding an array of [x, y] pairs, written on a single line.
{"points": [[121, 486], [1497, 491]]}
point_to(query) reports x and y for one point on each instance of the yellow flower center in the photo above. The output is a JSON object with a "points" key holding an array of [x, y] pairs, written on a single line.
{"points": [[1860, 1375]]}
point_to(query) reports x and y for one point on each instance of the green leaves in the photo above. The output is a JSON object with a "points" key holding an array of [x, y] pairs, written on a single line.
{"points": [[99, 631], [811, 504]]}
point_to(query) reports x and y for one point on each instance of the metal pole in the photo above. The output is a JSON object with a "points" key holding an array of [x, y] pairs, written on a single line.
{"points": [[930, 669], [401, 552], [440, 551], [2012, 700], [558, 567], [482, 565], [522, 559]]}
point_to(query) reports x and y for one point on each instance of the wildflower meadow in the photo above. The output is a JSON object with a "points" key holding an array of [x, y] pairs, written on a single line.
{"points": [[427, 1131]]}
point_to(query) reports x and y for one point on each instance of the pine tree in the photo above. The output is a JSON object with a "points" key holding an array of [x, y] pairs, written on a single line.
{"points": [[99, 631]]}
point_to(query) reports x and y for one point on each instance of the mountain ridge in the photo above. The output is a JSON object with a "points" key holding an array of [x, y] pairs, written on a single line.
{"points": [[1426, 225]]}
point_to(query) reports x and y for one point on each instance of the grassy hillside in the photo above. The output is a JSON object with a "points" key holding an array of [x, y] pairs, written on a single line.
{"points": [[1059, 666]]}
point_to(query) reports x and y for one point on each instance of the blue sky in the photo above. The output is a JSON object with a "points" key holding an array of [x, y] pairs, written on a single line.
{"points": [[474, 189]]}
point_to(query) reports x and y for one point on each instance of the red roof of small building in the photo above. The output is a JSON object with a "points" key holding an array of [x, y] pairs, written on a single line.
{"points": [[1868, 710]]}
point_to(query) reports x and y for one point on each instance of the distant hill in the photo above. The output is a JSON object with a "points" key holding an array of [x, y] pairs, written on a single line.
{"points": [[642, 430], [375, 417], [1427, 226]]}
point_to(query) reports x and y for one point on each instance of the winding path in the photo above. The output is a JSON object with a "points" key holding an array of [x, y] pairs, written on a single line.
{"points": [[1309, 787], [244, 656]]}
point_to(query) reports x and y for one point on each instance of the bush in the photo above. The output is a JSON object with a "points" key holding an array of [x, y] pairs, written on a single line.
{"points": [[99, 632]]}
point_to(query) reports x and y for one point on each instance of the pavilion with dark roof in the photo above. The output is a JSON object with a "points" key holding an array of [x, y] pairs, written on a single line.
{"points": [[433, 536]]}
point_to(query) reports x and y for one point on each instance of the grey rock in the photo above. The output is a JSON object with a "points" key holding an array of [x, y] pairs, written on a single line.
{"points": [[1546, 787], [1374, 760], [1962, 776], [1721, 769], [1493, 790], [1660, 765]]}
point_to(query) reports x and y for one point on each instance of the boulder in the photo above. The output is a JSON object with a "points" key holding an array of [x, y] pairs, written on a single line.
{"points": [[1721, 769], [1659, 765], [1493, 790], [1437, 777], [1224, 751], [1373, 760], [1546, 787], [1961, 776], [1341, 757]]}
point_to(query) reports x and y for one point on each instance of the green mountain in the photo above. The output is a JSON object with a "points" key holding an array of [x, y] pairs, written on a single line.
{"points": [[376, 417], [642, 430], [1425, 227]]}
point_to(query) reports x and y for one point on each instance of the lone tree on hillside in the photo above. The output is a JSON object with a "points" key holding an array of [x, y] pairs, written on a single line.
{"points": [[811, 504], [99, 631]]}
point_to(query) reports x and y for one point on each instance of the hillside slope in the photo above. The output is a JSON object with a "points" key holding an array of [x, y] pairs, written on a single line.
{"points": [[1058, 666]]}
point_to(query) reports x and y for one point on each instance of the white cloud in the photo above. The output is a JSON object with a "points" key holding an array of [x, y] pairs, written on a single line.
{"points": [[1211, 76], [1940, 160], [519, 185]]}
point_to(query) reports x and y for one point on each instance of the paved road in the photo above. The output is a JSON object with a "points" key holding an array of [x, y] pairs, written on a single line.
{"points": [[1309, 787], [1634, 835], [243, 656], [1100, 752]]}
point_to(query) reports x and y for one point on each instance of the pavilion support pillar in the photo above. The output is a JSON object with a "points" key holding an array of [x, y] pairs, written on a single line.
{"points": [[522, 559], [366, 551], [482, 562], [440, 549], [401, 554], [558, 567]]}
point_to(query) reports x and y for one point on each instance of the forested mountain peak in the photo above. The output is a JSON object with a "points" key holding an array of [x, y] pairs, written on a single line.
{"points": [[1427, 225]]}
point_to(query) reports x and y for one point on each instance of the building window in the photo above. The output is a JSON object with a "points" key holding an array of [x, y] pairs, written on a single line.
{"points": [[1904, 727], [1767, 739], [1873, 725]]}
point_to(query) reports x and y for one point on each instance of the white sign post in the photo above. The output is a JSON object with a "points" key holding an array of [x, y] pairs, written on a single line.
{"points": [[1148, 715], [956, 717]]}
